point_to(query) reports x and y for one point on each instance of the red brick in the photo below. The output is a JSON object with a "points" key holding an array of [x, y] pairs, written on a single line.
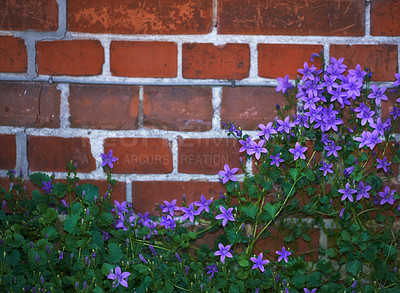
{"points": [[207, 155], [49, 153], [140, 17], [250, 106], [103, 106], [13, 56], [39, 15], [231, 61], [385, 19], [288, 17], [277, 60], [77, 57], [143, 59], [140, 155], [381, 59], [8, 154], [178, 108], [298, 247], [146, 194], [29, 104]]}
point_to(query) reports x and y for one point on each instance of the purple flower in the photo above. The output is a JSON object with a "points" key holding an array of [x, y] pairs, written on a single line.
{"points": [[378, 94], [61, 255], [203, 204], [307, 72], [348, 171], [379, 126], [283, 254], [353, 87], [266, 130], [246, 145], [308, 291], [144, 219], [276, 160], [358, 73], [332, 149], [259, 262], [225, 216], [189, 213], [341, 213], [383, 164], [47, 186], [178, 257], [326, 168], [365, 114], [387, 196], [347, 192], [170, 207], [298, 151], [143, 259], [284, 126], [168, 222], [397, 82], [363, 191], [212, 269], [108, 159], [284, 84], [227, 174], [119, 277], [223, 252], [257, 149], [120, 208]]}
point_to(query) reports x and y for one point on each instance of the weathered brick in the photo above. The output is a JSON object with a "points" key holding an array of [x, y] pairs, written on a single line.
{"points": [[288, 17], [178, 108], [13, 56], [8, 154], [140, 17], [140, 155], [146, 194], [207, 155], [38, 15], [381, 59], [385, 19], [49, 153], [103, 106], [277, 60], [231, 61], [29, 104], [250, 106], [143, 59], [77, 57]]}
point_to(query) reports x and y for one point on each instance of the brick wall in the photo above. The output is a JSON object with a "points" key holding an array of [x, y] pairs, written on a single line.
{"points": [[153, 80]]}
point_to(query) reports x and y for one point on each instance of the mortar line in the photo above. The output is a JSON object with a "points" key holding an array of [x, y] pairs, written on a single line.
{"points": [[106, 65], [64, 105], [21, 140], [368, 18], [140, 108]]}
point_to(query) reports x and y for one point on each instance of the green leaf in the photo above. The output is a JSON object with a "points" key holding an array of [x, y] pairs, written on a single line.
{"points": [[142, 269], [266, 185], [249, 208], [97, 240], [38, 197], [288, 188], [331, 253], [231, 185], [90, 192], [275, 174], [106, 268], [309, 174], [13, 258], [306, 237], [346, 235], [354, 266], [243, 261], [38, 178], [70, 224], [49, 216], [114, 253], [294, 173], [271, 209], [168, 287], [60, 189]]}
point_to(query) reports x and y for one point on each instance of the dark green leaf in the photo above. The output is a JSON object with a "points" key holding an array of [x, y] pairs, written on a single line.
{"points": [[249, 208], [38, 178], [354, 266]]}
